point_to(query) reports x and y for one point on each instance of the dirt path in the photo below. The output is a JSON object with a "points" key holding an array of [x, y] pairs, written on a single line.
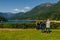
{"points": [[12, 29]]}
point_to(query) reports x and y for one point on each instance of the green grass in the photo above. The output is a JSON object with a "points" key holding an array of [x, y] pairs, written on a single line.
{"points": [[28, 34]]}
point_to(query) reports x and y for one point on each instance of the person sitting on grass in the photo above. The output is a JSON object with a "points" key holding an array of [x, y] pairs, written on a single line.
{"points": [[37, 26], [42, 26]]}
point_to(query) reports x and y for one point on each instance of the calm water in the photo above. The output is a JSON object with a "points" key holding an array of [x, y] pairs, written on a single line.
{"points": [[18, 21]]}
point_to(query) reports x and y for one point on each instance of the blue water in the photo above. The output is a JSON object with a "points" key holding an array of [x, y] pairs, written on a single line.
{"points": [[18, 21]]}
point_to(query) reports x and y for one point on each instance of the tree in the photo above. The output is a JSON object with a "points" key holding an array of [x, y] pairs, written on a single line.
{"points": [[2, 19]]}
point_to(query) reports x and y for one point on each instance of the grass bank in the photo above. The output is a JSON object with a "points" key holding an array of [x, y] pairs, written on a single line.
{"points": [[29, 34]]}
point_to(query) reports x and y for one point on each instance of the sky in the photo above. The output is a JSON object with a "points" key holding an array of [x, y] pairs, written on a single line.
{"points": [[15, 6]]}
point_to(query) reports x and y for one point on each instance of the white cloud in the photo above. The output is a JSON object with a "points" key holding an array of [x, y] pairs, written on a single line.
{"points": [[16, 10], [27, 8], [22, 10]]}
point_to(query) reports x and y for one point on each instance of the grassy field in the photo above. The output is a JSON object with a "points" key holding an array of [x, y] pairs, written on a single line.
{"points": [[29, 34]]}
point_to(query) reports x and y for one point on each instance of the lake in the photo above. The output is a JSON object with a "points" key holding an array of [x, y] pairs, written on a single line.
{"points": [[18, 21]]}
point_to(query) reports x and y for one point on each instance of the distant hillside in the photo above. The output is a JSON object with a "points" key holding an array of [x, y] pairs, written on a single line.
{"points": [[11, 16], [6, 15], [43, 11], [16, 16]]}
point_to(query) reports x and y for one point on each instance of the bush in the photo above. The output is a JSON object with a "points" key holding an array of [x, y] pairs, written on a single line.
{"points": [[26, 25], [55, 25], [18, 25]]}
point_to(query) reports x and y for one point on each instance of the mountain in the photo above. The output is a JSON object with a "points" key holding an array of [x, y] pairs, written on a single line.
{"points": [[55, 10], [36, 12], [6, 15], [43, 11], [11, 16], [16, 16]]}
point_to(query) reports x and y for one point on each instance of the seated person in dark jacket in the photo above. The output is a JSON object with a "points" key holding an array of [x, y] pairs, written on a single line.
{"points": [[38, 26], [42, 26]]}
